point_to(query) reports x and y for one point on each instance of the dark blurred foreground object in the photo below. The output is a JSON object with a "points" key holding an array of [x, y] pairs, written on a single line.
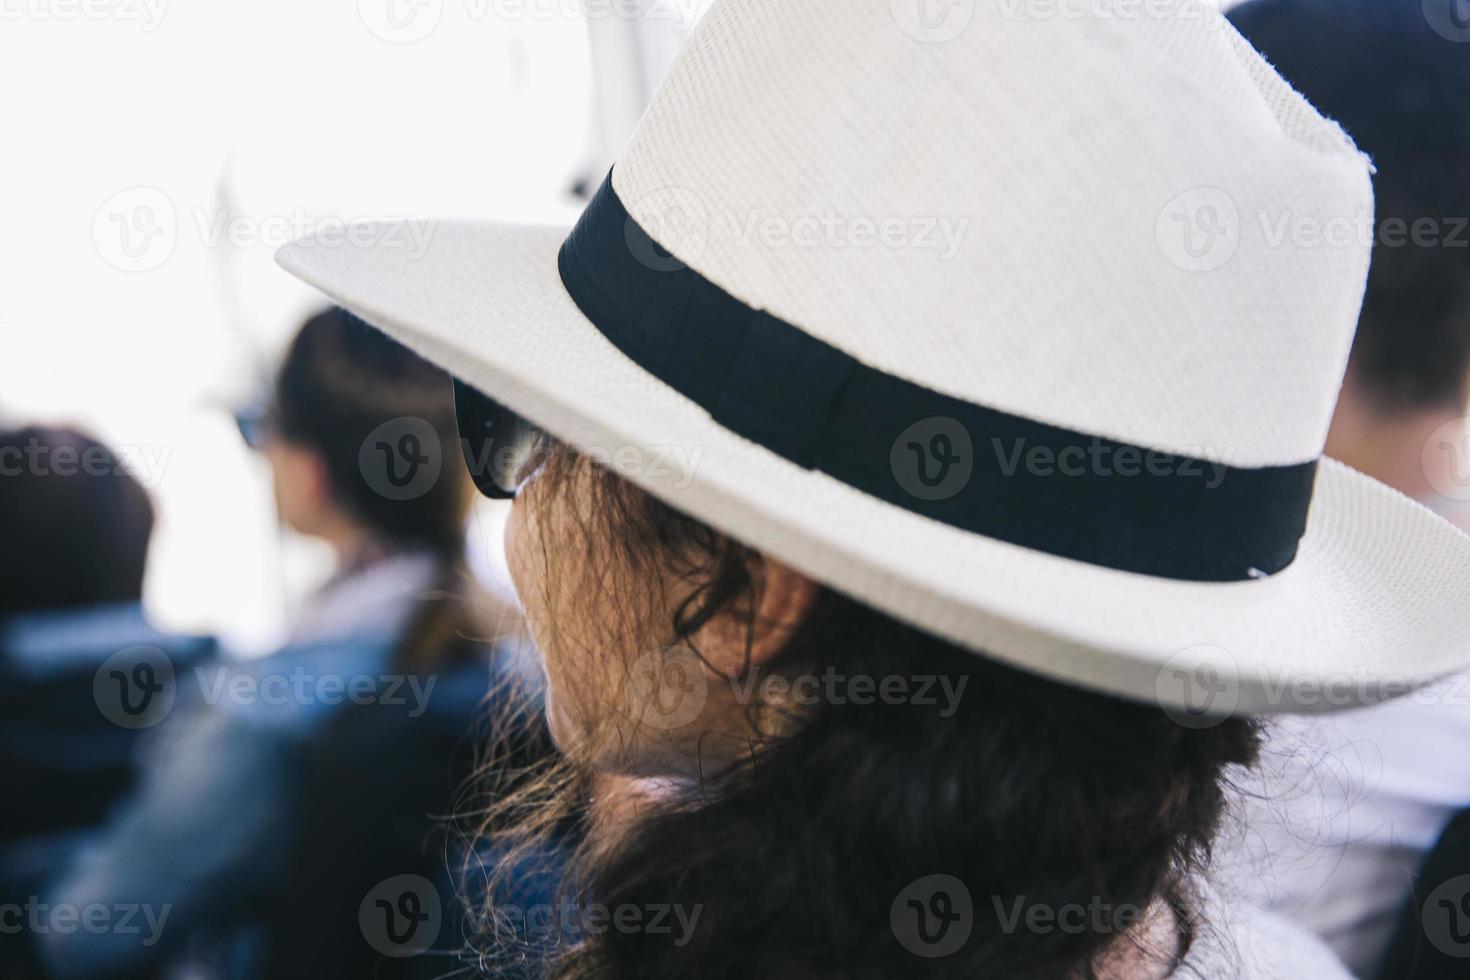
{"points": [[55, 738], [64, 756], [1396, 75], [75, 524], [1433, 937], [374, 885]]}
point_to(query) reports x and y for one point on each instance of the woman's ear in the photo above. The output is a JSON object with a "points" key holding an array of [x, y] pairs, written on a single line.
{"points": [[751, 632], [785, 600]]}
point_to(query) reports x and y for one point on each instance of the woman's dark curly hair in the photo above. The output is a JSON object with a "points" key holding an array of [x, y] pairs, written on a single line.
{"points": [[1031, 793]]}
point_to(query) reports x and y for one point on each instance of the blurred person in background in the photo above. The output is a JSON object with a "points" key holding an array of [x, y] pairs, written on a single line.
{"points": [[76, 526], [355, 439], [355, 436], [1351, 805]]}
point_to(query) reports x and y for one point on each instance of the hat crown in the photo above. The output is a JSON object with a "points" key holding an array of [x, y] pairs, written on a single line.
{"points": [[1126, 225]]}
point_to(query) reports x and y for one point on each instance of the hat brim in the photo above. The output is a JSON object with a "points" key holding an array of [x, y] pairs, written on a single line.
{"points": [[1373, 604]]}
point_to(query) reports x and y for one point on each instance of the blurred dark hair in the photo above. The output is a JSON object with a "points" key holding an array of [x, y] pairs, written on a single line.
{"points": [[1029, 791], [1402, 91], [75, 524], [341, 379]]}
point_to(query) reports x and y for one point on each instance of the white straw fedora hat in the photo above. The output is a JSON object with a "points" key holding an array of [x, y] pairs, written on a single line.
{"points": [[1021, 323]]}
